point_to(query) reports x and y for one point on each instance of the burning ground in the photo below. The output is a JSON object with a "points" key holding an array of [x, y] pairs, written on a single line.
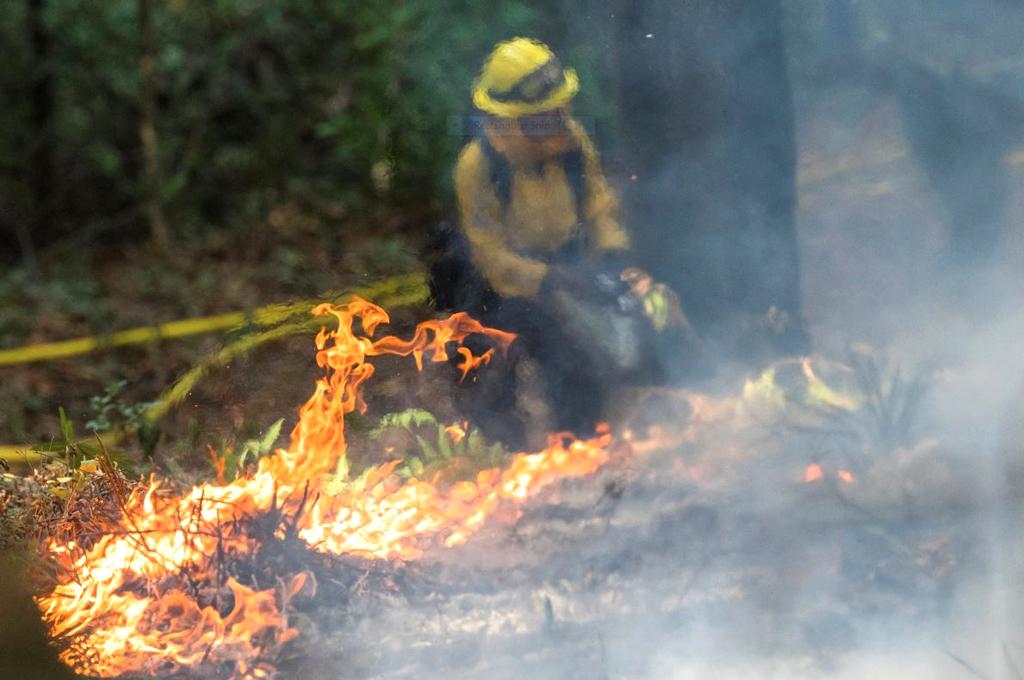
{"points": [[767, 533], [706, 555], [152, 585]]}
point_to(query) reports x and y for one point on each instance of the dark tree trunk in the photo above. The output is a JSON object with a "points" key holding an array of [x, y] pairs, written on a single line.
{"points": [[708, 132], [152, 173], [41, 165]]}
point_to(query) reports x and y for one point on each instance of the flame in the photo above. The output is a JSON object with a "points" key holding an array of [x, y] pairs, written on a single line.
{"points": [[147, 595], [456, 431], [814, 472]]}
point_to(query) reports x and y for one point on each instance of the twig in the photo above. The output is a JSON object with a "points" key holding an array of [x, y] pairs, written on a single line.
{"points": [[971, 669], [220, 563], [896, 543], [110, 472], [604, 656], [120, 495], [294, 524], [1011, 662]]}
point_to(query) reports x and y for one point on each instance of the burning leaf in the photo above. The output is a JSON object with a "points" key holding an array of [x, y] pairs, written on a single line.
{"points": [[819, 392], [456, 432]]}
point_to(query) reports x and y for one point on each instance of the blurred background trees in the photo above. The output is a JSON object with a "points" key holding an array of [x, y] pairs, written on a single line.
{"points": [[174, 118]]}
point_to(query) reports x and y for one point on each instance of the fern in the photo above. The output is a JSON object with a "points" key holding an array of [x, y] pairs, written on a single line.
{"points": [[404, 420], [430, 453], [254, 449], [237, 459], [430, 449]]}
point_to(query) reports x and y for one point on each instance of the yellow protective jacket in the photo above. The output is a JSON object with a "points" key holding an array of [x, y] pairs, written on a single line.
{"points": [[509, 242]]}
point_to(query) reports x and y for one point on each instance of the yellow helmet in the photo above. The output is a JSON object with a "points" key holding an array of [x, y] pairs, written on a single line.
{"points": [[523, 76]]}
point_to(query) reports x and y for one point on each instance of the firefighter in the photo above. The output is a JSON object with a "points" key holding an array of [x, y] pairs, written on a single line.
{"points": [[540, 249]]}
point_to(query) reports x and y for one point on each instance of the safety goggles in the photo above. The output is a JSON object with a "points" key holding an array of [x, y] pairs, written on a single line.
{"points": [[544, 124]]}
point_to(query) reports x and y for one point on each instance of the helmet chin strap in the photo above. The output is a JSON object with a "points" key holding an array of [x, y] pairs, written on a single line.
{"points": [[519, 147]]}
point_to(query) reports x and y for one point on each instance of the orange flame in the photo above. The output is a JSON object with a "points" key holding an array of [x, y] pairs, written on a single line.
{"points": [[814, 472], [146, 596], [457, 431]]}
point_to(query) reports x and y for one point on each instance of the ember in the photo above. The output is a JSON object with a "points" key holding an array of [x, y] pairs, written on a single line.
{"points": [[146, 595], [812, 473]]}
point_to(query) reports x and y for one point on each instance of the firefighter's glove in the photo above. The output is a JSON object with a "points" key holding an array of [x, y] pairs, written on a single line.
{"points": [[660, 303], [560, 278], [585, 282]]}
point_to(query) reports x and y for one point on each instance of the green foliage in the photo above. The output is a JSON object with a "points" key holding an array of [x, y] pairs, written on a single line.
{"points": [[67, 428], [347, 107], [425, 450], [428, 448], [892, 400], [72, 452], [67, 294], [855, 411], [397, 111], [254, 449], [91, 136], [236, 459], [341, 483], [470, 454], [404, 420], [110, 413]]}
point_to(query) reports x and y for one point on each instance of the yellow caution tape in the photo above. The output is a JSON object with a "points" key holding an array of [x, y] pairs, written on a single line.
{"points": [[286, 319], [263, 316], [69, 348], [29, 455], [179, 390]]}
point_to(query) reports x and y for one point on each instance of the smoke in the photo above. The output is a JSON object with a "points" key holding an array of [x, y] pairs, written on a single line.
{"points": [[908, 125]]}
